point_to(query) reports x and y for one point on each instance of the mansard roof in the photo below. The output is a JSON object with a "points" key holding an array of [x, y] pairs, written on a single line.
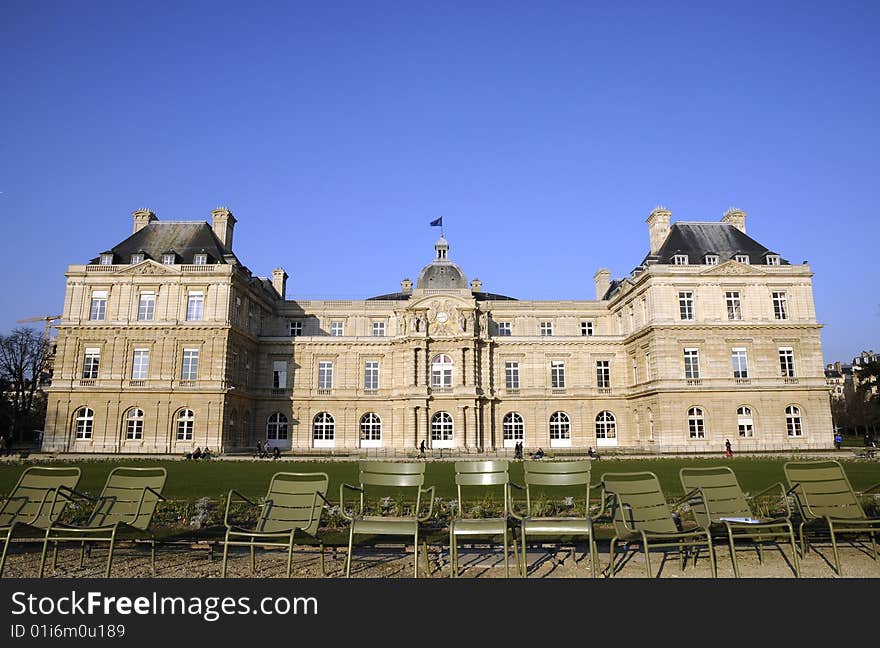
{"points": [[699, 239], [184, 238], [479, 296]]}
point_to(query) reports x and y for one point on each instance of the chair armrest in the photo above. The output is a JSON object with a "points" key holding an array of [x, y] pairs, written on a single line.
{"points": [[510, 506], [782, 495], [229, 503], [801, 505], [430, 513], [684, 499], [611, 495], [69, 493], [342, 488], [321, 495], [872, 487]]}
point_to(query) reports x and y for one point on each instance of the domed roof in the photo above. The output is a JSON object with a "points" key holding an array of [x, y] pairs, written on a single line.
{"points": [[441, 273]]}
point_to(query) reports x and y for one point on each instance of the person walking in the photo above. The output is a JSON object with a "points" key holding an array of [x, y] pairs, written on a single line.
{"points": [[727, 450], [422, 449], [838, 440]]}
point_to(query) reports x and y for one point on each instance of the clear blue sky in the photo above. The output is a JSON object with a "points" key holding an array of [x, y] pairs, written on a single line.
{"points": [[543, 133]]}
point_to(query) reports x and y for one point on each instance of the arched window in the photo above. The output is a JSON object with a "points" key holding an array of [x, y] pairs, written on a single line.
{"points": [[793, 421], [134, 424], [441, 371], [560, 429], [442, 431], [606, 426], [745, 422], [185, 423], [514, 430], [323, 429], [371, 429], [696, 423], [85, 420], [276, 427]]}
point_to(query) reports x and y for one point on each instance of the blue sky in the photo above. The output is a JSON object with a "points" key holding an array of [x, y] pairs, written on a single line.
{"points": [[543, 133]]}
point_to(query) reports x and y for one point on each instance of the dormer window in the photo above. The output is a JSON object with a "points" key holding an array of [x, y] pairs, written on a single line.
{"points": [[137, 258], [742, 258], [168, 259], [680, 259], [107, 258], [772, 259], [200, 259], [711, 259]]}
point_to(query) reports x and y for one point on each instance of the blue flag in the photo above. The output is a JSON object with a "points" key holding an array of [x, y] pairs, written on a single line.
{"points": [[437, 223]]}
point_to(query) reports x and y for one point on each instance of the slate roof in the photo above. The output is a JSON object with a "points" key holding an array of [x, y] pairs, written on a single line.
{"points": [[699, 239], [479, 296], [185, 238]]}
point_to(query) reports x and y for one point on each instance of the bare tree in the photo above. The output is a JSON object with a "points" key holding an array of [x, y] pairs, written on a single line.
{"points": [[24, 364]]}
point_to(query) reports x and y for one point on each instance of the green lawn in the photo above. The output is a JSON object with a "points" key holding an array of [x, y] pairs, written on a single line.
{"points": [[194, 480]]}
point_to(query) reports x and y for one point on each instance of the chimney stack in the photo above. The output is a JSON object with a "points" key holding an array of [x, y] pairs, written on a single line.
{"points": [[735, 217], [476, 285], [223, 224], [142, 218], [658, 227], [279, 281], [406, 286], [603, 282]]}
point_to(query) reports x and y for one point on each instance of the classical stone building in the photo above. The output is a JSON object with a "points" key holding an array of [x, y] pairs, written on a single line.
{"points": [[168, 342]]}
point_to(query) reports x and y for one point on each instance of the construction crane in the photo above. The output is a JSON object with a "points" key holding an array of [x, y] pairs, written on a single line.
{"points": [[48, 319]]}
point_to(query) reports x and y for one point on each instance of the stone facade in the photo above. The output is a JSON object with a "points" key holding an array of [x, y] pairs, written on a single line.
{"points": [[677, 356]]}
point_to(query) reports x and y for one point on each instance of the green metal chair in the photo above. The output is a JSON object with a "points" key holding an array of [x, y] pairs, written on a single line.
{"points": [[405, 480], [33, 503], [293, 503], [480, 474], [828, 505], [640, 513], [719, 504], [556, 475], [124, 508]]}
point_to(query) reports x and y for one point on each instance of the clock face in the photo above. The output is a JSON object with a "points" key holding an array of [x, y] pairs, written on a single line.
{"points": [[442, 317]]}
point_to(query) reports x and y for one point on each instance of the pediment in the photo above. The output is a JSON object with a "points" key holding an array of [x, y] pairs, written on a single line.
{"points": [[732, 267], [148, 267]]}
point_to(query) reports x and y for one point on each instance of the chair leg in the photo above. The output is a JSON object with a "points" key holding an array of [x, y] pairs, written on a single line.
{"points": [[153, 555], [55, 556], [225, 555], [525, 562], [648, 560], [712, 564], [43, 554], [453, 555], [794, 553], [5, 547], [348, 556], [682, 556], [427, 561], [506, 557], [110, 553], [594, 556], [732, 553], [834, 548], [416, 552], [612, 556], [82, 554], [290, 552], [253, 558], [323, 570], [760, 553]]}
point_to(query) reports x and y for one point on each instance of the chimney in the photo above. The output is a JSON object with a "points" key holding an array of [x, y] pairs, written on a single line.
{"points": [[603, 282], [279, 281], [735, 217], [658, 227], [476, 285], [223, 225], [406, 286], [142, 218]]}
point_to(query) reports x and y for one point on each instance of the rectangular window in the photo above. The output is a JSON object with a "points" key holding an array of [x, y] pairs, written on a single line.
{"points": [[632, 318], [603, 374], [692, 364], [780, 306], [190, 368], [711, 259], [295, 328], [786, 362], [168, 259], [546, 328], [106, 259], [773, 259], [200, 259], [140, 364], [645, 311], [734, 306], [378, 329], [279, 374], [686, 305], [680, 259], [557, 374], [325, 375], [647, 366], [337, 329], [371, 374], [147, 306], [504, 328], [511, 375], [137, 258], [740, 363], [90, 364], [635, 366], [195, 307], [586, 329], [742, 258], [99, 305]]}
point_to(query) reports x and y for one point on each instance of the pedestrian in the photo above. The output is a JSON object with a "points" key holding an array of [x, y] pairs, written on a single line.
{"points": [[838, 440], [727, 450], [2, 444], [422, 449], [276, 453]]}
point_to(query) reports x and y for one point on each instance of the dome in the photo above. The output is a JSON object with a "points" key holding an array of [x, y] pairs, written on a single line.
{"points": [[441, 273]]}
